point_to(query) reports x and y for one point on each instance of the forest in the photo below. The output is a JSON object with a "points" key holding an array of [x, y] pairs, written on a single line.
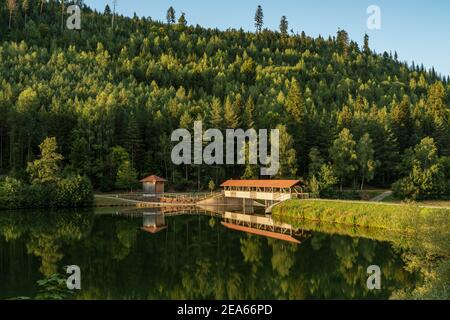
{"points": [[113, 92]]}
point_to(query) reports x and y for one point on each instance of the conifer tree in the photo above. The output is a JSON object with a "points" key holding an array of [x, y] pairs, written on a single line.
{"points": [[231, 118], [107, 10], [170, 16], [216, 116], [259, 19], [366, 44], [248, 116], [343, 41], [284, 26], [295, 105], [182, 20]]}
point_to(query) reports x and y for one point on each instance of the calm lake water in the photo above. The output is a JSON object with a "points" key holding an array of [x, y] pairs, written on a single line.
{"points": [[187, 257]]}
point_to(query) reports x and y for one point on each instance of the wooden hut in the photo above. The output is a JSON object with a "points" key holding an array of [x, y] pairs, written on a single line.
{"points": [[153, 185]]}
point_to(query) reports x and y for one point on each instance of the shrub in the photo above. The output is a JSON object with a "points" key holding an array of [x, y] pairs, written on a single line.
{"points": [[73, 191]]}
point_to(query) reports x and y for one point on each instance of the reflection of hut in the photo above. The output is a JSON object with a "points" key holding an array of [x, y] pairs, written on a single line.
{"points": [[153, 185], [154, 222]]}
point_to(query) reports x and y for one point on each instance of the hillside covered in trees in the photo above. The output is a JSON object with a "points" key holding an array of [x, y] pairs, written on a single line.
{"points": [[112, 95]]}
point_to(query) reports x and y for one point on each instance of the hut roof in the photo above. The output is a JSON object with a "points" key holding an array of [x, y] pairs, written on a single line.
{"points": [[153, 178]]}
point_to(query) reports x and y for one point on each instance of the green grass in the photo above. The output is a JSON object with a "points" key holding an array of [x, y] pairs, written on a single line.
{"points": [[405, 218], [100, 201]]}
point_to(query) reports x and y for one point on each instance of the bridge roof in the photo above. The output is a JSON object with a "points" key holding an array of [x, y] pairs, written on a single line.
{"points": [[261, 183]]}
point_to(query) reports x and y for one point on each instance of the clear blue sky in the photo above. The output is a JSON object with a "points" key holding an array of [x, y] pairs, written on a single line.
{"points": [[418, 30]]}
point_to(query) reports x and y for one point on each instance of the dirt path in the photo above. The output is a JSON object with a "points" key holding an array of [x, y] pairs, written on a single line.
{"points": [[382, 196]]}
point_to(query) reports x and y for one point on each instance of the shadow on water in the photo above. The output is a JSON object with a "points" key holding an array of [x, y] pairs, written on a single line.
{"points": [[191, 253]]}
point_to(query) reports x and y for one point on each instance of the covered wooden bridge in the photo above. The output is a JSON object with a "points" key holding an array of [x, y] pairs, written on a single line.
{"points": [[270, 191]]}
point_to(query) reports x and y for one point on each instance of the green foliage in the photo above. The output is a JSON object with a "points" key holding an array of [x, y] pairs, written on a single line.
{"points": [[70, 192], [404, 218], [48, 188], [53, 288], [288, 160], [366, 162], [326, 180], [171, 15], [211, 185], [137, 83], [344, 156], [284, 26], [259, 19], [47, 169], [426, 178], [127, 176]]}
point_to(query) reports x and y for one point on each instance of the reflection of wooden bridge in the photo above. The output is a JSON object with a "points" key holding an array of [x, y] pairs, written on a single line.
{"points": [[154, 221], [259, 225]]}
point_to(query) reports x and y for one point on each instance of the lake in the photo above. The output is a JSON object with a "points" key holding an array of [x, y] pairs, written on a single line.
{"points": [[188, 256]]}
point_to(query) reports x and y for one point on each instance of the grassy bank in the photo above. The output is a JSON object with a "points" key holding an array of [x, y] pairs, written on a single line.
{"points": [[421, 234], [101, 201], [405, 218]]}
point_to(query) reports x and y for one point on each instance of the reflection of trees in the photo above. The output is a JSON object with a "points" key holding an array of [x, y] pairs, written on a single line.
{"points": [[282, 256], [126, 234], [46, 247], [251, 248], [45, 234], [198, 259]]}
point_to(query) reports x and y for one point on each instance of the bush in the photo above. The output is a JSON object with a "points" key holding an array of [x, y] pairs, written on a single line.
{"points": [[74, 191], [70, 192]]}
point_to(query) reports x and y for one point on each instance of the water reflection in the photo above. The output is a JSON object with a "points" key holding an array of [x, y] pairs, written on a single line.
{"points": [[193, 257], [251, 222]]}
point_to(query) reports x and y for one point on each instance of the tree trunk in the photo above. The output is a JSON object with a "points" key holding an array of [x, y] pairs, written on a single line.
{"points": [[362, 183], [198, 178], [29, 148], [62, 17], [1, 148], [10, 17]]}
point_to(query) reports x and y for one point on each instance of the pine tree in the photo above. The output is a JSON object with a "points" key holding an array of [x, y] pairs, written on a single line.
{"points": [[182, 20], [170, 16], [259, 19], [402, 123], [288, 160], [248, 116], [284, 26], [113, 17], [107, 10], [231, 118], [295, 106], [216, 114], [63, 8], [366, 44], [46, 169], [133, 142], [343, 41]]}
